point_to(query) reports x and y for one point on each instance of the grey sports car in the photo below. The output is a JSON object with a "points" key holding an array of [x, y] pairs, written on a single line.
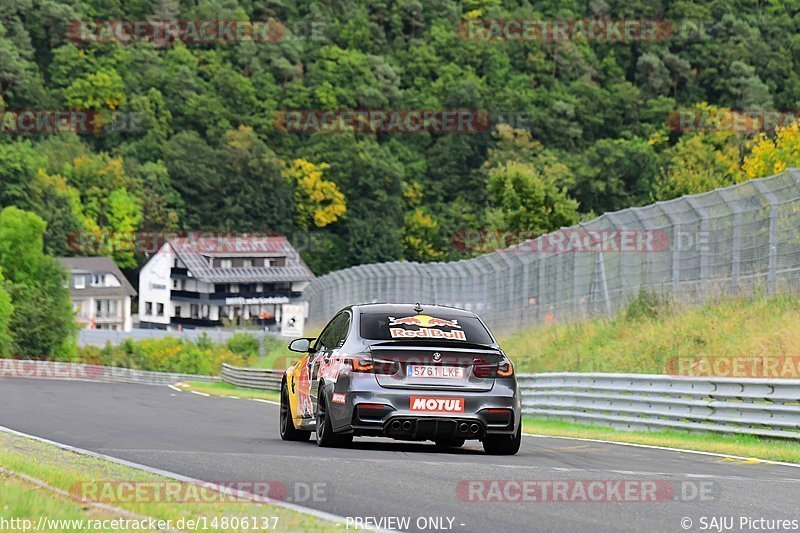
{"points": [[403, 371]]}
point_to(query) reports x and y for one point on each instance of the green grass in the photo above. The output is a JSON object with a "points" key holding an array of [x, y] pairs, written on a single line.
{"points": [[226, 389], [648, 336], [276, 355], [66, 470], [740, 445], [25, 501]]}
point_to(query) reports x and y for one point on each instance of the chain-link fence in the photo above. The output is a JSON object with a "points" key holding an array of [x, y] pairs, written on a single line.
{"points": [[725, 242]]}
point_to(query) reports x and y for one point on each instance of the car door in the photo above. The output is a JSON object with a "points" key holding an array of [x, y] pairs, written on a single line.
{"points": [[328, 341]]}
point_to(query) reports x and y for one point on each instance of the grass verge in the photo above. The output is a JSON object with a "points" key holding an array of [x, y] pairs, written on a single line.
{"points": [[226, 389], [66, 470], [651, 332], [741, 445]]}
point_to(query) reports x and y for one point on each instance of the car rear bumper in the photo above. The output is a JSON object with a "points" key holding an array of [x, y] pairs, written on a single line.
{"points": [[389, 413]]}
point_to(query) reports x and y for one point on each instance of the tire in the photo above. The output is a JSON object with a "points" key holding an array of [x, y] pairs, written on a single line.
{"points": [[326, 438], [450, 443], [503, 444], [288, 431]]}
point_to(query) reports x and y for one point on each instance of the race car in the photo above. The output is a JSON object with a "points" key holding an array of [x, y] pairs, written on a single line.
{"points": [[404, 371]]}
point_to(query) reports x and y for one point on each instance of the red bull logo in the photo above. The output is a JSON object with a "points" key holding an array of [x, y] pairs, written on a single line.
{"points": [[423, 321]]}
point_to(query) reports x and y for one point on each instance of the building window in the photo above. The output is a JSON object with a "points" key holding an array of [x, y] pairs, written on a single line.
{"points": [[178, 311], [97, 280], [159, 309], [148, 308], [247, 263], [226, 263], [79, 282], [234, 287]]}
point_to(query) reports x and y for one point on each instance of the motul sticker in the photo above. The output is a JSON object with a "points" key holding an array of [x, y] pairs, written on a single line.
{"points": [[338, 398], [437, 405]]}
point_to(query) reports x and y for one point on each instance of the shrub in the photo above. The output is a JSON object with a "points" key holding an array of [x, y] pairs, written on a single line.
{"points": [[243, 344]]}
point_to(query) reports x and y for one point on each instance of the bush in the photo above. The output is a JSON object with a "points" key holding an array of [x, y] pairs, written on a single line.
{"points": [[646, 305], [243, 344], [167, 354]]}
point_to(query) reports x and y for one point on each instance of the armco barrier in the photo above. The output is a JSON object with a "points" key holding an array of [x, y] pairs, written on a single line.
{"points": [[252, 378], [26, 368], [766, 407]]}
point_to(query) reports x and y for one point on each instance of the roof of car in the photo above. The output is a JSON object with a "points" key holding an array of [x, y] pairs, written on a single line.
{"points": [[408, 309]]}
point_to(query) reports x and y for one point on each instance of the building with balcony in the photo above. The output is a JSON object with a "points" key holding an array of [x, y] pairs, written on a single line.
{"points": [[219, 281], [101, 296]]}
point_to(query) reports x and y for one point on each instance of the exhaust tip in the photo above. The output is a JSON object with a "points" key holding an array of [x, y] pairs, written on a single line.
{"points": [[407, 425], [474, 428], [395, 425], [463, 427]]}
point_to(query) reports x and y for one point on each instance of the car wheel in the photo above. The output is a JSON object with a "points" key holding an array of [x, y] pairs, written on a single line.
{"points": [[450, 443], [503, 444], [288, 431], [326, 438]]}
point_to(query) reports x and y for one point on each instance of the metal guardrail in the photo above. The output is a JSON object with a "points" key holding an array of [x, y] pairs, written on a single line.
{"points": [[252, 378], [26, 368], [765, 407]]}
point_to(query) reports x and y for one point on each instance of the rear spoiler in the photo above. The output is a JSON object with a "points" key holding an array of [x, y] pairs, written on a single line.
{"points": [[433, 343]]}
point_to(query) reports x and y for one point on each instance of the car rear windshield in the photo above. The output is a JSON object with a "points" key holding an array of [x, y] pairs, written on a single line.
{"points": [[423, 326]]}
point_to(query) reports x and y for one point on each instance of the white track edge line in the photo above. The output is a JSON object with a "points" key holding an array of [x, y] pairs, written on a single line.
{"points": [[322, 515], [666, 448]]}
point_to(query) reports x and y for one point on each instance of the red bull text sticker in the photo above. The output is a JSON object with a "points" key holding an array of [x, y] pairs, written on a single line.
{"points": [[427, 328], [437, 405]]}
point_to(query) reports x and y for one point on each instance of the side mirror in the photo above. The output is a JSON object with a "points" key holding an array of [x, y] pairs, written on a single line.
{"points": [[300, 345]]}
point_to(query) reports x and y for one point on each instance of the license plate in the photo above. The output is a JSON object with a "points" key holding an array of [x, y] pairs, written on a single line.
{"points": [[426, 371]]}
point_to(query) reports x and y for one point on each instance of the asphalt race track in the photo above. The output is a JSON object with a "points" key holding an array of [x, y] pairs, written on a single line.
{"points": [[217, 438]]}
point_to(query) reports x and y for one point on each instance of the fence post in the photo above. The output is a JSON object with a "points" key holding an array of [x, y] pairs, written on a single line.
{"points": [[736, 245], [773, 234], [701, 212]]}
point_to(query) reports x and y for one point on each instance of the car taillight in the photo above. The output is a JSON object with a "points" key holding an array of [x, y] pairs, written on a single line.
{"points": [[362, 364], [503, 369], [376, 366]]}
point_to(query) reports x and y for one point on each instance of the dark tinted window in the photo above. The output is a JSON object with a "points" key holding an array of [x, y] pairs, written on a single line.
{"points": [[422, 327], [335, 333]]}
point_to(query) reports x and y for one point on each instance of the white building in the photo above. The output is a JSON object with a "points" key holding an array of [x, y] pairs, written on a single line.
{"points": [[216, 281], [101, 296]]}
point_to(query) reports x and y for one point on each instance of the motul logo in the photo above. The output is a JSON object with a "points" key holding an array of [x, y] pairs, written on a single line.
{"points": [[437, 405]]}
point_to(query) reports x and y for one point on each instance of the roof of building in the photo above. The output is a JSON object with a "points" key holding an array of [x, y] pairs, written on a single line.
{"points": [[196, 253], [99, 265]]}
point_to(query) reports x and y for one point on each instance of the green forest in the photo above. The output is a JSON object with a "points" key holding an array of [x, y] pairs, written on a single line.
{"points": [[578, 127]]}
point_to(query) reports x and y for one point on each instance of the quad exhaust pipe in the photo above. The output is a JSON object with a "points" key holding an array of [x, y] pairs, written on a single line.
{"points": [[395, 425], [463, 427], [474, 428], [407, 425]]}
